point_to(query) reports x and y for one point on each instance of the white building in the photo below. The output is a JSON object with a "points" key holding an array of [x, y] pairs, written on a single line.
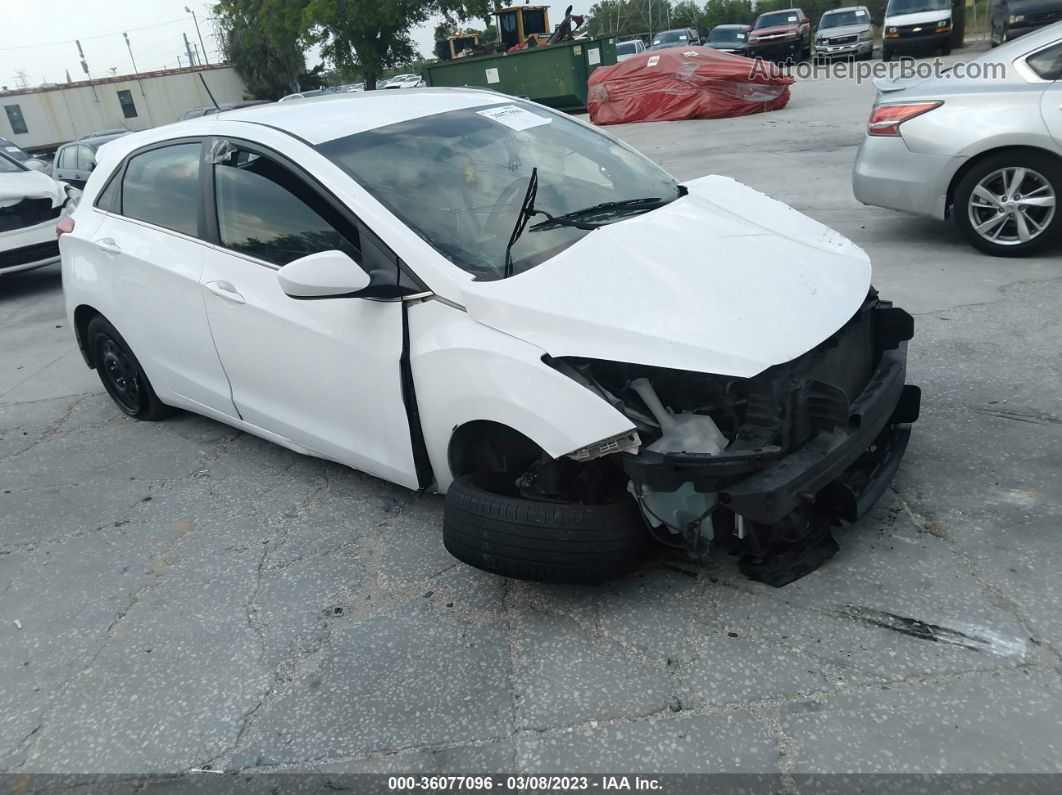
{"points": [[49, 115]]}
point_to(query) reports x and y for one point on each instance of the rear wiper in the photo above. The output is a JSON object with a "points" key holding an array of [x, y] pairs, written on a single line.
{"points": [[527, 210], [575, 217]]}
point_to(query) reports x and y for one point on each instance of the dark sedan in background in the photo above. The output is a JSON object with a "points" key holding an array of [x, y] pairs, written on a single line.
{"points": [[730, 38]]}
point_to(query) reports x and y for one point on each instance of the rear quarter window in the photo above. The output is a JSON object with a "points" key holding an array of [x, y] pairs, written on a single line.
{"points": [[108, 198], [1047, 63]]}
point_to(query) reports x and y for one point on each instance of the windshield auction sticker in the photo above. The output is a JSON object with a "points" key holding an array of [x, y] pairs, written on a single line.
{"points": [[515, 117]]}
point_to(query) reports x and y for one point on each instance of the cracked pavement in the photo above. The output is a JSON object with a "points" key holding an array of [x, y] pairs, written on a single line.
{"points": [[191, 596]]}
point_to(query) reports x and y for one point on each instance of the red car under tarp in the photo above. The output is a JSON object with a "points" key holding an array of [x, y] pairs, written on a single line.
{"points": [[684, 83]]}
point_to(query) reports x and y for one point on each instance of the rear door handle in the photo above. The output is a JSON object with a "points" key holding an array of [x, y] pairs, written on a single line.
{"points": [[226, 291], [108, 246]]}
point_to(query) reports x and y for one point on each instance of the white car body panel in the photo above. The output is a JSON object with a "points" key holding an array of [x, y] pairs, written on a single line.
{"points": [[1051, 106], [345, 401], [153, 278], [28, 236], [320, 122], [19, 185], [646, 290], [504, 380]]}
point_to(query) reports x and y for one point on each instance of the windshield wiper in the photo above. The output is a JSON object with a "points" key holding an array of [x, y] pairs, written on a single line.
{"points": [[527, 210], [604, 209]]}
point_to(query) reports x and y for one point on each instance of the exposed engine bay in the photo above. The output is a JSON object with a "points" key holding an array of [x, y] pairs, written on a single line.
{"points": [[764, 465]]}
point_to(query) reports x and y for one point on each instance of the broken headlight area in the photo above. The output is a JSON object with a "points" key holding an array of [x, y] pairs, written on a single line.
{"points": [[767, 463]]}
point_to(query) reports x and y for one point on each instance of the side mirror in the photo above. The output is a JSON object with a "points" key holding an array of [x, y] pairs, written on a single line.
{"points": [[327, 273], [92, 165]]}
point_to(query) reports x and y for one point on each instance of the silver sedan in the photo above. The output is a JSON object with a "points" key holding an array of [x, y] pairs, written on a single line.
{"points": [[984, 149]]}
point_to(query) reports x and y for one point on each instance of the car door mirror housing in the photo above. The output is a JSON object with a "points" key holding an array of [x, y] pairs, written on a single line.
{"points": [[326, 274]]}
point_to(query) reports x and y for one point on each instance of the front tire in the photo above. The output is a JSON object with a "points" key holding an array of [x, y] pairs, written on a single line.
{"points": [[1007, 205], [543, 541], [886, 55], [121, 373]]}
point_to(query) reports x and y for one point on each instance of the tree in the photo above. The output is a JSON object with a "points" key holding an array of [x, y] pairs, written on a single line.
{"points": [[262, 39], [373, 35], [686, 14], [729, 12]]}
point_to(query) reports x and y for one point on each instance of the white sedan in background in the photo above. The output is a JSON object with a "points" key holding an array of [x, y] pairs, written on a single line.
{"points": [[30, 203], [985, 150], [451, 288]]}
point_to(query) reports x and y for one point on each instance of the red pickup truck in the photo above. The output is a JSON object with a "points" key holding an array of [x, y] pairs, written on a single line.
{"points": [[781, 36]]}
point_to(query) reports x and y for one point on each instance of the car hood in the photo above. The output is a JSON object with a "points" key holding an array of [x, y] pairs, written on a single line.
{"points": [[723, 280], [772, 31], [16, 186], [842, 30], [727, 45], [917, 19]]}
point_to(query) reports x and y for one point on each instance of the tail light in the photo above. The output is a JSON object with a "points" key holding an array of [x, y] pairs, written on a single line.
{"points": [[65, 225], [886, 119]]}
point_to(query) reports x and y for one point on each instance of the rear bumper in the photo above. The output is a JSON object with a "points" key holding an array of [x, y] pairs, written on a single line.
{"points": [[843, 469], [888, 174]]}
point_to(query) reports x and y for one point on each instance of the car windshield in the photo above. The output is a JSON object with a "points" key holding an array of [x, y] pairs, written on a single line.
{"points": [[670, 36], [459, 179], [777, 18], [843, 18], [899, 7], [726, 36], [8, 166], [12, 151], [626, 48]]}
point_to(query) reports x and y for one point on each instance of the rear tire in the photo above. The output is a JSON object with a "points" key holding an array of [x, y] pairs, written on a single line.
{"points": [[121, 373], [543, 541], [1045, 168]]}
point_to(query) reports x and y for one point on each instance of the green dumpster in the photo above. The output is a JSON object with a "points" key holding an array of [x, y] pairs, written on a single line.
{"points": [[554, 75]]}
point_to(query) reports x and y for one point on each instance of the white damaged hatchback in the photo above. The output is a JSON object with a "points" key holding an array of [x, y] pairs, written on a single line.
{"points": [[30, 203], [451, 288]]}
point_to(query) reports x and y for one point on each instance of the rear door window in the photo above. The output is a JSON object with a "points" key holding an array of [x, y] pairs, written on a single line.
{"points": [[85, 158], [161, 187], [67, 158], [268, 212]]}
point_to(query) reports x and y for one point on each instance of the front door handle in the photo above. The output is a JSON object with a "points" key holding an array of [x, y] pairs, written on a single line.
{"points": [[226, 291], [108, 246]]}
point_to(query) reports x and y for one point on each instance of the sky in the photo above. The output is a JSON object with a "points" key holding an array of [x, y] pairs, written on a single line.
{"points": [[38, 36]]}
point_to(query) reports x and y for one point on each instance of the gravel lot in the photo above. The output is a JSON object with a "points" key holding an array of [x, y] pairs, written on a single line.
{"points": [[189, 595]]}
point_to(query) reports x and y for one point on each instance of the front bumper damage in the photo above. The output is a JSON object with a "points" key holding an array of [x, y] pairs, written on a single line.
{"points": [[818, 442]]}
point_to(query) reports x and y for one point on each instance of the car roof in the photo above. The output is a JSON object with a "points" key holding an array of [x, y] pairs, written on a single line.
{"points": [[325, 118], [730, 25], [95, 141], [846, 8]]}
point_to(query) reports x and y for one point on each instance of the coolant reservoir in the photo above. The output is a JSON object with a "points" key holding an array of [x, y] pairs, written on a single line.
{"points": [[680, 433], [684, 509]]}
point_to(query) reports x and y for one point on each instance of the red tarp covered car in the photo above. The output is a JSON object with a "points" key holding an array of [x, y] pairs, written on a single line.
{"points": [[684, 83]]}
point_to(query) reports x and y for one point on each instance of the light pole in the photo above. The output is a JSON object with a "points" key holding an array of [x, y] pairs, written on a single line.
{"points": [[196, 21]]}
